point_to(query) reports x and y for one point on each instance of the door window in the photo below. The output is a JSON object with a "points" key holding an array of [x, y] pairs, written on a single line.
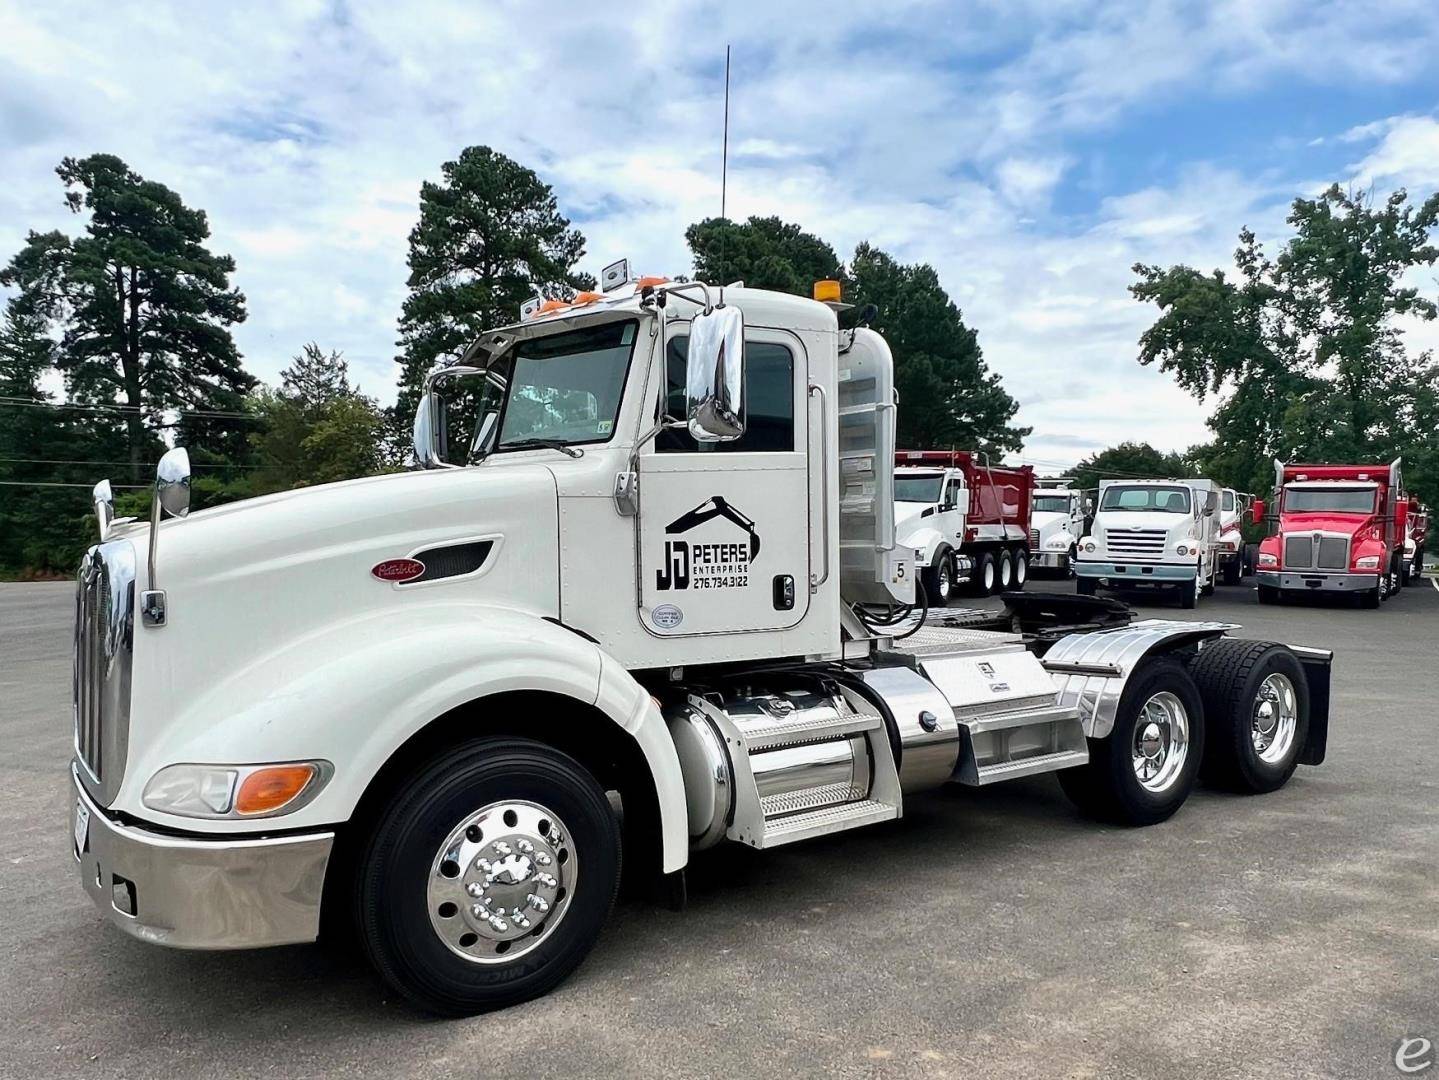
{"points": [[769, 401]]}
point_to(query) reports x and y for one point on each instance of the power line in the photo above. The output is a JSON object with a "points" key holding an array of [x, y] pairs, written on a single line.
{"points": [[35, 403], [44, 483], [126, 464]]}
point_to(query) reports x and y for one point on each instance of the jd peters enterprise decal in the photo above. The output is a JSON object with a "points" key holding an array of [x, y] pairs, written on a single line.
{"points": [[693, 564]]}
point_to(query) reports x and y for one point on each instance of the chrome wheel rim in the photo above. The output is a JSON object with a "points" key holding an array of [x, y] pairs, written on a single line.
{"points": [[988, 576], [1161, 742], [501, 882], [946, 583], [1275, 718]]}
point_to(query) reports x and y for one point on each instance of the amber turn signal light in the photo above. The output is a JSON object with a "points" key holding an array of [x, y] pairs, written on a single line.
{"points": [[266, 790]]}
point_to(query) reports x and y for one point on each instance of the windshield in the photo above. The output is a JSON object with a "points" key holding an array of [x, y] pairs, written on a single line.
{"points": [[1164, 500], [920, 489], [1227, 500], [1051, 504], [565, 388], [1340, 500]]}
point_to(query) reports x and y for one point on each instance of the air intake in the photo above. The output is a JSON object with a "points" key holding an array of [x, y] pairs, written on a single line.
{"points": [[452, 560]]}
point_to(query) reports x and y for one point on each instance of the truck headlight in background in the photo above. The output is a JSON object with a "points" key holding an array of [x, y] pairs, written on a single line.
{"points": [[1089, 547], [1268, 559], [235, 791], [1367, 562], [1181, 550]]}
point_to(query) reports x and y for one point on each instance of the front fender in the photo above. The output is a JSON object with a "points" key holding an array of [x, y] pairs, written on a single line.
{"points": [[355, 692]]}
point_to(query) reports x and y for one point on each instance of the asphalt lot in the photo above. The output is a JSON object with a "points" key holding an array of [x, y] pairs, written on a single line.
{"points": [[989, 932]]}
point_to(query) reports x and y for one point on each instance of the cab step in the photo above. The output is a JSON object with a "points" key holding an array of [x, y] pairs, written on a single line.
{"points": [[830, 819], [776, 734], [1030, 766]]}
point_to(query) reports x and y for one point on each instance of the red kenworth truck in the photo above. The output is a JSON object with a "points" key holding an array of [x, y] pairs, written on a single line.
{"points": [[1340, 528]]}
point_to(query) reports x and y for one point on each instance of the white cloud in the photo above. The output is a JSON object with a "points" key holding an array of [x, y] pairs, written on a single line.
{"points": [[1406, 155], [955, 134]]}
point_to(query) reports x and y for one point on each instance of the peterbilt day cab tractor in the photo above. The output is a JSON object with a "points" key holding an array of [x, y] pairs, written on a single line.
{"points": [[1337, 529], [966, 520], [1056, 524], [655, 605], [1153, 534]]}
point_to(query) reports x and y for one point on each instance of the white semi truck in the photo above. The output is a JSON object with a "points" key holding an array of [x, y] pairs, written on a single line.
{"points": [[1153, 534], [658, 606], [1235, 557], [1056, 524]]}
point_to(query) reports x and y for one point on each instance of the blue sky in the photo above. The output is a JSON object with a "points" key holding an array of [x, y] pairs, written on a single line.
{"points": [[1031, 152]]}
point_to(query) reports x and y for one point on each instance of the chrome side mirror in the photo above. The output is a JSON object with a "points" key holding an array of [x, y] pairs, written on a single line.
{"points": [[104, 501], [423, 440], [172, 482], [714, 376]]}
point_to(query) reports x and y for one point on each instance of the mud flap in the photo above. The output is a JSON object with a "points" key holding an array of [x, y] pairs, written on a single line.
{"points": [[1317, 669]]}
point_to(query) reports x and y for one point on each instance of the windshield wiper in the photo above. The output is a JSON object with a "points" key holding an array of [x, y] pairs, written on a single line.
{"points": [[544, 444]]}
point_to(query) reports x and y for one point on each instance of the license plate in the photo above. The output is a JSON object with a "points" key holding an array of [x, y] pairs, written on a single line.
{"points": [[82, 826]]}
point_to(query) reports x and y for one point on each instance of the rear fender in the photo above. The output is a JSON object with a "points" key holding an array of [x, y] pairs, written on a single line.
{"points": [[1091, 670]]}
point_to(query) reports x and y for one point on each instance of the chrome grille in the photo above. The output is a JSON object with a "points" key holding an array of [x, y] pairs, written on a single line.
{"points": [[1033, 539], [1316, 551], [104, 626], [1144, 542]]}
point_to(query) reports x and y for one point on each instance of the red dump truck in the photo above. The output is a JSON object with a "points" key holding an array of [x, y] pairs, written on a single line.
{"points": [[1338, 529], [966, 519]]}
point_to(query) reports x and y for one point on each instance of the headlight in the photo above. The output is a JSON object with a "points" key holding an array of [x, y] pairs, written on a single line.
{"points": [[235, 791], [1056, 543], [1367, 562], [1181, 550], [1089, 547], [1267, 559]]}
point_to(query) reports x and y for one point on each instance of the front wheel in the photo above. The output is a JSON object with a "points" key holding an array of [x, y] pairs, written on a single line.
{"points": [[1142, 772], [1268, 594], [938, 580], [1189, 594], [1085, 586], [488, 877]]}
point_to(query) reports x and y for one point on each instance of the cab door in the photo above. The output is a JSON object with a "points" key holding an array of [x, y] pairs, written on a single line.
{"points": [[724, 529]]}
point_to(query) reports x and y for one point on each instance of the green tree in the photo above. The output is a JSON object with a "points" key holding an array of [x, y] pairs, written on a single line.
{"points": [[1303, 351], [140, 306], [948, 397], [1132, 461], [764, 253], [490, 236], [317, 428]]}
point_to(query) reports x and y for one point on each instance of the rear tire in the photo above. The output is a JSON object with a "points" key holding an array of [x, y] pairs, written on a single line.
{"points": [[1021, 567], [432, 838], [1004, 578], [1256, 712], [1232, 571], [985, 573], [1142, 772]]}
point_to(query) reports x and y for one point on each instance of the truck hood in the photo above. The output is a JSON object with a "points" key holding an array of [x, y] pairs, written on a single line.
{"points": [[1110, 521], [904, 511]]}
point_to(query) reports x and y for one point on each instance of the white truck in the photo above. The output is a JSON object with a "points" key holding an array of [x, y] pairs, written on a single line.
{"points": [[1152, 534], [966, 519], [1056, 524], [432, 714], [1236, 558]]}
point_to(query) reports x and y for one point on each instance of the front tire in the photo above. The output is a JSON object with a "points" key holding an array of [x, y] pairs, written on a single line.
{"points": [[1085, 586], [1189, 594], [939, 580], [1268, 594], [488, 877], [1142, 772], [1256, 710]]}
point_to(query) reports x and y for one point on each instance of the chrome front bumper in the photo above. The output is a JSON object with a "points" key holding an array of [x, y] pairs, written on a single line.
{"points": [[1319, 581], [1049, 560], [190, 892]]}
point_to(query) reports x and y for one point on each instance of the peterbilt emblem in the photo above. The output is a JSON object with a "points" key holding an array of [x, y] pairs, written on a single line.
{"points": [[398, 570]]}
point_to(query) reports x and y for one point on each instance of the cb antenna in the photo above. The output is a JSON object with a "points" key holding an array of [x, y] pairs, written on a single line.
{"points": [[724, 173]]}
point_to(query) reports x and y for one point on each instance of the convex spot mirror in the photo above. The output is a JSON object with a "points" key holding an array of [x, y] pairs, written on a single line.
{"points": [[714, 376], [424, 435], [172, 482]]}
